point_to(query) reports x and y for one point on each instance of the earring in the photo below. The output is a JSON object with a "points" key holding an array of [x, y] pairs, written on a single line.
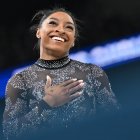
{"points": [[38, 36], [73, 45]]}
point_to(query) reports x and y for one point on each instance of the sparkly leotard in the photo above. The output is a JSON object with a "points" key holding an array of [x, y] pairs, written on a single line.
{"points": [[26, 110]]}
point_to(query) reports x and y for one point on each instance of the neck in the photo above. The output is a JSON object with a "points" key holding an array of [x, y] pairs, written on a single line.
{"points": [[51, 64], [48, 55]]}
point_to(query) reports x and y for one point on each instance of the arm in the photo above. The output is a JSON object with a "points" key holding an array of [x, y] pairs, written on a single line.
{"points": [[105, 98], [17, 117]]}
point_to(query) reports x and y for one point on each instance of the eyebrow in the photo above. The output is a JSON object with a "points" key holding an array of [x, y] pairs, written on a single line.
{"points": [[68, 22]]}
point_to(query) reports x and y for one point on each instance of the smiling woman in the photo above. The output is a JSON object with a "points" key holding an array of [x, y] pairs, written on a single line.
{"points": [[57, 35], [55, 91]]}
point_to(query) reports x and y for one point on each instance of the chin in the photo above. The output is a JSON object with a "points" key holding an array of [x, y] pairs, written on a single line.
{"points": [[57, 50], [60, 50]]}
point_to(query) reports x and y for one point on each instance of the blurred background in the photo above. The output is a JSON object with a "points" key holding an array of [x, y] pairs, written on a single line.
{"points": [[109, 37]]}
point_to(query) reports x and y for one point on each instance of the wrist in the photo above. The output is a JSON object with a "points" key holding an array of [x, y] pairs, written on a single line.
{"points": [[47, 101]]}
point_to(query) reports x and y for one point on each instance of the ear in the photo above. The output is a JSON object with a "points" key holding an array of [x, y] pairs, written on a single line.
{"points": [[38, 33]]}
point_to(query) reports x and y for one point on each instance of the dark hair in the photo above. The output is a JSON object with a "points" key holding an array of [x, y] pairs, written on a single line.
{"points": [[41, 15]]}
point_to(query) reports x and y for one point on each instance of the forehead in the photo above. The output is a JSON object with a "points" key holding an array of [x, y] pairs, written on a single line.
{"points": [[62, 16]]}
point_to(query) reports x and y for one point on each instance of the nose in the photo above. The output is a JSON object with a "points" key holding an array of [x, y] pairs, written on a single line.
{"points": [[60, 29]]}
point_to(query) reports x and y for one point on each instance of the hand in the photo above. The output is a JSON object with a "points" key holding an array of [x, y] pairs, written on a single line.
{"points": [[62, 93]]}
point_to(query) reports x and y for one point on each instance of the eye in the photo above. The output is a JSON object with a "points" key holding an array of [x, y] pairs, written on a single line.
{"points": [[70, 27], [52, 23]]}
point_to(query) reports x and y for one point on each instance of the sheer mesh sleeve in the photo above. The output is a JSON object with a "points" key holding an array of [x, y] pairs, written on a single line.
{"points": [[106, 100], [17, 117]]}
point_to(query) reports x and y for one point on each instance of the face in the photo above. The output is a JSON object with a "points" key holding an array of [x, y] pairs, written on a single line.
{"points": [[56, 34]]}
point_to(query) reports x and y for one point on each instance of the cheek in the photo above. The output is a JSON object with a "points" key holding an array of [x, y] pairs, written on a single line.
{"points": [[72, 37], [44, 35], [45, 31]]}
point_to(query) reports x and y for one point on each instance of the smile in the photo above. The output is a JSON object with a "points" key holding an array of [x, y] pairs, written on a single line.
{"points": [[58, 38]]}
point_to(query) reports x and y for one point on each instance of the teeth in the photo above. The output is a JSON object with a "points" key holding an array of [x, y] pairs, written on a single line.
{"points": [[58, 38]]}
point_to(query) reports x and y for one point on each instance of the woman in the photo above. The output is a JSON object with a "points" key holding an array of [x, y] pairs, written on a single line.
{"points": [[55, 90]]}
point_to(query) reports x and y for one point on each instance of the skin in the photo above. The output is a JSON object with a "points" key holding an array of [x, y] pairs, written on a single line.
{"points": [[58, 25], [62, 93]]}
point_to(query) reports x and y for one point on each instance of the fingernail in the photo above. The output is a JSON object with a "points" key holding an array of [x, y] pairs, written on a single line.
{"points": [[74, 79], [47, 77], [80, 81], [81, 84]]}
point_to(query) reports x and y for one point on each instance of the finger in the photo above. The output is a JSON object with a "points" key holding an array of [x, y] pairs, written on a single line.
{"points": [[75, 95], [76, 88], [68, 82], [49, 81], [71, 85]]}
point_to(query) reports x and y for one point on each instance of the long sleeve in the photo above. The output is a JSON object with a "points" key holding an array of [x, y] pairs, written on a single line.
{"points": [[17, 117], [105, 98]]}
